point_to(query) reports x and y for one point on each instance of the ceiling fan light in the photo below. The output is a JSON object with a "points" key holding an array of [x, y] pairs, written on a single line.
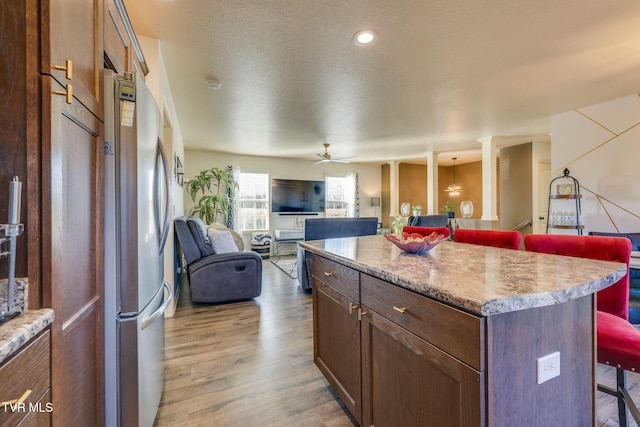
{"points": [[364, 37]]}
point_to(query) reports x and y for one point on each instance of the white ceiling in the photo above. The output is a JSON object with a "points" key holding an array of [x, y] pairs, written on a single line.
{"points": [[441, 75]]}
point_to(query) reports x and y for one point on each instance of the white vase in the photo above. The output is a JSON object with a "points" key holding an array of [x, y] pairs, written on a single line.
{"points": [[466, 209], [405, 209]]}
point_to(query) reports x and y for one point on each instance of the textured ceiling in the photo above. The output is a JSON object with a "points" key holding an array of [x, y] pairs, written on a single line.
{"points": [[441, 75]]}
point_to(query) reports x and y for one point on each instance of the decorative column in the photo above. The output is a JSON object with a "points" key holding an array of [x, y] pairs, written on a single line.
{"points": [[432, 183], [489, 179], [394, 186]]}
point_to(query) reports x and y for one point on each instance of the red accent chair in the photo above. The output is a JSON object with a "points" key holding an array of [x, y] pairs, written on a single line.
{"points": [[618, 341], [426, 231], [494, 238]]}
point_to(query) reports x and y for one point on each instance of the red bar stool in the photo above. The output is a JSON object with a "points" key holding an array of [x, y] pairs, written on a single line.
{"points": [[618, 341], [494, 238], [426, 231]]}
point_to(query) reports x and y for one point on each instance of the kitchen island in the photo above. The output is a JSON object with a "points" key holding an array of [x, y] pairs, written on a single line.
{"points": [[455, 337]]}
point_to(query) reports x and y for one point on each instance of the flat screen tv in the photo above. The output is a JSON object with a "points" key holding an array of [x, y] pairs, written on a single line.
{"points": [[297, 196]]}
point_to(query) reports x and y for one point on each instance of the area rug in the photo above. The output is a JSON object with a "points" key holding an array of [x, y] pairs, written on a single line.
{"points": [[288, 267]]}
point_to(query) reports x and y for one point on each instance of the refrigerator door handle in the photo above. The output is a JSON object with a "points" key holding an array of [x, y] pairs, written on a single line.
{"points": [[160, 311], [167, 202]]}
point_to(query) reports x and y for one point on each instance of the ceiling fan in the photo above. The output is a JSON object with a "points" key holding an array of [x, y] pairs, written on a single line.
{"points": [[326, 157]]}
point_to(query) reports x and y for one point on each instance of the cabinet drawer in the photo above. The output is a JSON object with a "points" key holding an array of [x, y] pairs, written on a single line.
{"points": [[27, 370], [455, 332], [339, 277]]}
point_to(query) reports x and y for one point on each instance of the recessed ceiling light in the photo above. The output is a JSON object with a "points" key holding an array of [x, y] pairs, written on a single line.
{"points": [[364, 37]]}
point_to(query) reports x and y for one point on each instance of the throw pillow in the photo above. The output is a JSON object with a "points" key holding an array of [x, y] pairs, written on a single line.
{"points": [[222, 241]]}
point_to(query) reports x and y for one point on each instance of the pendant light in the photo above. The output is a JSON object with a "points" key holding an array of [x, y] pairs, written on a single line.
{"points": [[454, 189]]}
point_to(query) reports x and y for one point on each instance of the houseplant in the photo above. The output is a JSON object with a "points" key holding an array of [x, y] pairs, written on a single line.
{"points": [[215, 189], [416, 210], [449, 209]]}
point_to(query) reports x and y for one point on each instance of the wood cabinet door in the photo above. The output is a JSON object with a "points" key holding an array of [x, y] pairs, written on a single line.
{"points": [[72, 31], [336, 344], [117, 46], [409, 382], [73, 257]]}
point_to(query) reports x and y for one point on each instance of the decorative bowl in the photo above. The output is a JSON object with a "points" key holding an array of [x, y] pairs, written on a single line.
{"points": [[415, 243]]}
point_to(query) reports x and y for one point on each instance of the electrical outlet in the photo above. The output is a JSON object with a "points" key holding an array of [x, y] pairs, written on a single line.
{"points": [[548, 367]]}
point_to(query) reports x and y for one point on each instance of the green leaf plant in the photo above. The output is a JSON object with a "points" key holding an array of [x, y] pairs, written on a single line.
{"points": [[208, 190]]}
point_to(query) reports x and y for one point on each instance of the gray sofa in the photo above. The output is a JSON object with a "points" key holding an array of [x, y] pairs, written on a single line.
{"points": [[212, 277], [634, 275], [330, 228]]}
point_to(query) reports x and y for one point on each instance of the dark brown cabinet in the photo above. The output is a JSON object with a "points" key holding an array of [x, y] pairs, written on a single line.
{"points": [[367, 346], [337, 349], [72, 262], [336, 330], [425, 363], [72, 280], [26, 382], [422, 359], [120, 53], [72, 41]]}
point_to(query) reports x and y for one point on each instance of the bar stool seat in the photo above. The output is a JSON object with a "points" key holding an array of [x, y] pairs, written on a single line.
{"points": [[494, 238], [618, 342]]}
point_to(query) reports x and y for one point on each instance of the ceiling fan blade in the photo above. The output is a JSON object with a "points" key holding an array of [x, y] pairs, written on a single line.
{"points": [[321, 156], [322, 161]]}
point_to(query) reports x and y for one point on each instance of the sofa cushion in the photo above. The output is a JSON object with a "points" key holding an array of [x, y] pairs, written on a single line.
{"points": [[187, 242], [222, 241], [199, 232]]}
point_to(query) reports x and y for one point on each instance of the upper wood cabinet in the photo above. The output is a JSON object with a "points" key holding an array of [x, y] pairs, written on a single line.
{"points": [[117, 44], [72, 38], [121, 50]]}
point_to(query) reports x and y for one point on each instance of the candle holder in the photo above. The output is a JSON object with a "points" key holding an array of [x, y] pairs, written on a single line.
{"points": [[9, 233]]}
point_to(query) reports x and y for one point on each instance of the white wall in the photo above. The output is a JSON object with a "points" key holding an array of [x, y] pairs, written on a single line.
{"points": [[600, 145], [368, 176], [158, 83]]}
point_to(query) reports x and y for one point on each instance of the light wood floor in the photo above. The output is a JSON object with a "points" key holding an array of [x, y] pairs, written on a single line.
{"points": [[250, 364]]}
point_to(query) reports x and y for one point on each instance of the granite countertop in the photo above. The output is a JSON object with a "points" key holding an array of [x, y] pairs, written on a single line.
{"points": [[16, 332], [479, 279]]}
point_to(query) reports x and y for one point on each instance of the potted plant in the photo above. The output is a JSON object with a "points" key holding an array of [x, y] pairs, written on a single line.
{"points": [[416, 210], [211, 186], [449, 209]]}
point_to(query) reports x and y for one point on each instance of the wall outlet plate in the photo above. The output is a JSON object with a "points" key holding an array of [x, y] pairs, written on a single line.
{"points": [[548, 367]]}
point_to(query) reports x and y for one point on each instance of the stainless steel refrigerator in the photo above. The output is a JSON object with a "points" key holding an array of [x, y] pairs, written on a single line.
{"points": [[136, 223]]}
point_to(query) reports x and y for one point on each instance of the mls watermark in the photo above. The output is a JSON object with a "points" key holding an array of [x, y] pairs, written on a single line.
{"points": [[28, 407]]}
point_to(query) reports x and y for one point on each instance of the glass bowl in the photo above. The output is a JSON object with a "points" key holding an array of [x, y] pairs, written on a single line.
{"points": [[415, 243]]}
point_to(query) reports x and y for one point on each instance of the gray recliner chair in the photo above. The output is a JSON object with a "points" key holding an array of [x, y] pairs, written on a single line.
{"points": [[215, 278]]}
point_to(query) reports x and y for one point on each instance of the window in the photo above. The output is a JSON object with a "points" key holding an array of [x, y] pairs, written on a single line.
{"points": [[340, 197], [253, 200]]}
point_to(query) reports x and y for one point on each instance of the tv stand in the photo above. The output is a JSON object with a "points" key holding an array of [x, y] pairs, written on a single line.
{"points": [[298, 213]]}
